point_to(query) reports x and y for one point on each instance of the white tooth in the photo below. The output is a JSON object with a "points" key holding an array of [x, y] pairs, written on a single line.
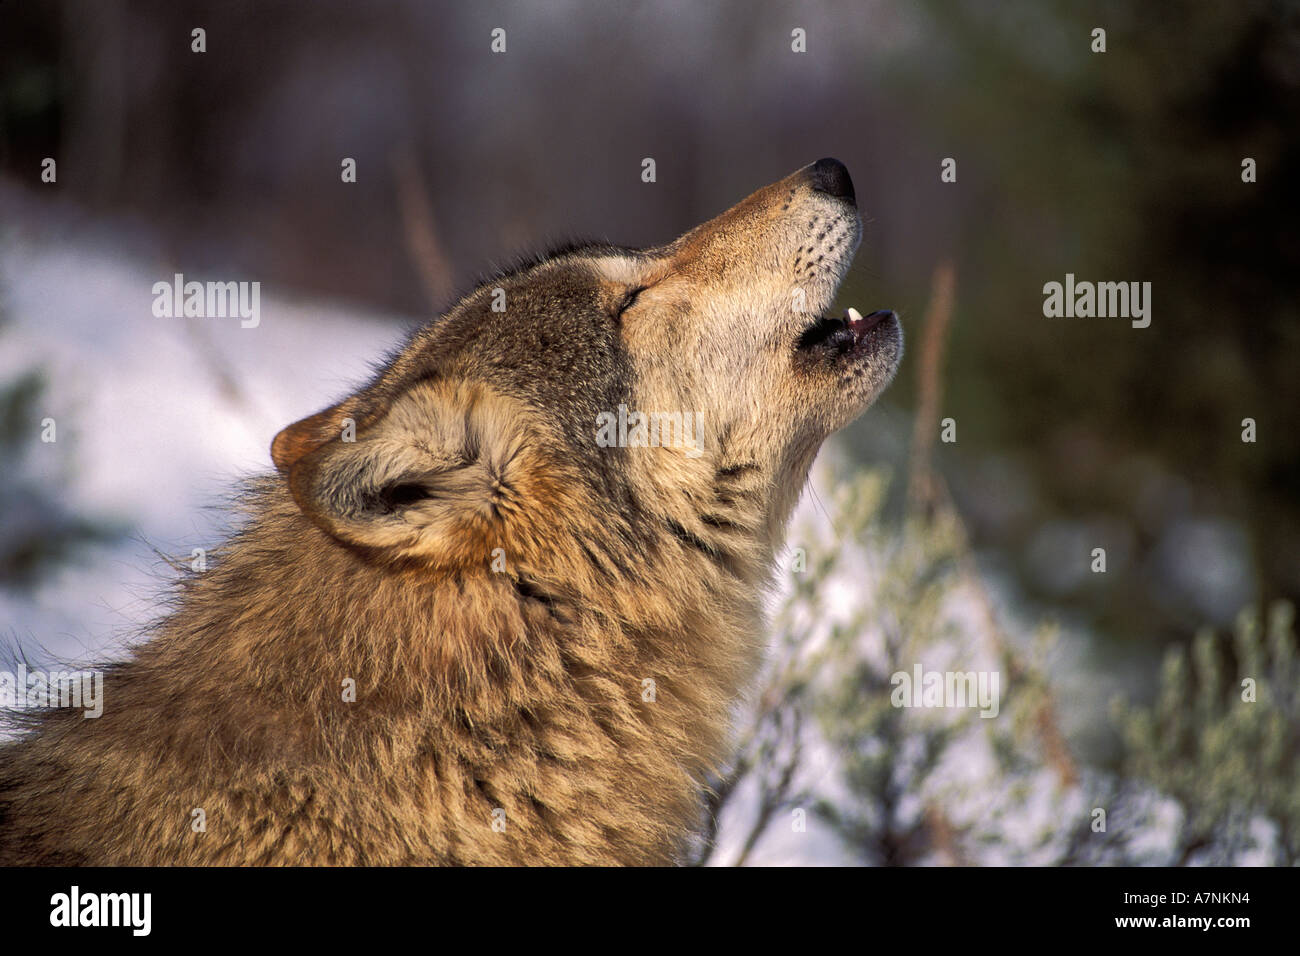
{"points": [[854, 315]]}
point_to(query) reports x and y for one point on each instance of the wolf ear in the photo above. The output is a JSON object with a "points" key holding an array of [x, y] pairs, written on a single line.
{"points": [[429, 477], [304, 437]]}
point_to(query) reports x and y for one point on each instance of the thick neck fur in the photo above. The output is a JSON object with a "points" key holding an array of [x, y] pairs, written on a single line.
{"points": [[553, 712]]}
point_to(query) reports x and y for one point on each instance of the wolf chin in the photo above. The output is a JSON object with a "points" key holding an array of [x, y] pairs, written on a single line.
{"points": [[429, 638]]}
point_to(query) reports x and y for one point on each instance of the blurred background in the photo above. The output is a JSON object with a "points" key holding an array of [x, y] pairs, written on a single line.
{"points": [[1071, 434]]}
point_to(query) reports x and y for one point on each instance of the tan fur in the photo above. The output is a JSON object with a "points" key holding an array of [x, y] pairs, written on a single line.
{"points": [[481, 689]]}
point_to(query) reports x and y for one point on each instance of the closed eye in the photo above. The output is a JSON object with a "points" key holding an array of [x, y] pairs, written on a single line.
{"points": [[629, 299]]}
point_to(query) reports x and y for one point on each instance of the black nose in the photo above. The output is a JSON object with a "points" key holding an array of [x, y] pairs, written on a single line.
{"points": [[832, 177]]}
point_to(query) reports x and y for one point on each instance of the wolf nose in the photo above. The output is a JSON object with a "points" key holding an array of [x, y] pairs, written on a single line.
{"points": [[830, 176]]}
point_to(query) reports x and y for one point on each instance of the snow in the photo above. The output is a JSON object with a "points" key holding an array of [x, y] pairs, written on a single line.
{"points": [[157, 419]]}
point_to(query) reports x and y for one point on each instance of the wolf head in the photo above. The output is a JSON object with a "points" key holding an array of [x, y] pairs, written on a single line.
{"points": [[689, 385]]}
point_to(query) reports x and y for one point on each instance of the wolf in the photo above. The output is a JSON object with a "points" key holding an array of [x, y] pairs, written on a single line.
{"points": [[453, 628]]}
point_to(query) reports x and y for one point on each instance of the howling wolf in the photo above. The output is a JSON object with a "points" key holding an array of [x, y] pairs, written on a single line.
{"points": [[467, 620]]}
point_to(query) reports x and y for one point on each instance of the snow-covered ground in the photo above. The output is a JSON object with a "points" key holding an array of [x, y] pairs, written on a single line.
{"points": [[156, 418]]}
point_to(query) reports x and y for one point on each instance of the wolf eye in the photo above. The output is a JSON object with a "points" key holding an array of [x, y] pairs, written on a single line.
{"points": [[629, 299]]}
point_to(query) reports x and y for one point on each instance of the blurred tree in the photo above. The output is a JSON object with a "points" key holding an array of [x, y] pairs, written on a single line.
{"points": [[1124, 165], [37, 528], [1207, 777], [1227, 752]]}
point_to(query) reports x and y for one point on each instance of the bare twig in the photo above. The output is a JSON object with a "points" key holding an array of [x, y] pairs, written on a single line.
{"points": [[934, 339], [930, 496], [775, 796], [427, 252]]}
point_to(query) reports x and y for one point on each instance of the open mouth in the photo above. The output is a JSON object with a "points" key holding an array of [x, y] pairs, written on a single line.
{"points": [[842, 335]]}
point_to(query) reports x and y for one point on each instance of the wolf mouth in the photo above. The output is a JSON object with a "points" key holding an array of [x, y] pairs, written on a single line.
{"points": [[851, 333]]}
